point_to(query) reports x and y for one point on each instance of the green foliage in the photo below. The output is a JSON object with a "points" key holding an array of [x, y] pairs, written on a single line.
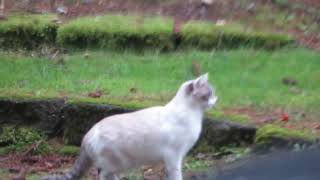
{"points": [[117, 32], [69, 150], [4, 174], [234, 153], [267, 132], [282, 3], [207, 36], [22, 138], [203, 146], [27, 31], [6, 150], [192, 163]]}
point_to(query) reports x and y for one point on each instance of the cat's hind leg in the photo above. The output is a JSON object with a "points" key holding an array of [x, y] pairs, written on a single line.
{"points": [[104, 175]]}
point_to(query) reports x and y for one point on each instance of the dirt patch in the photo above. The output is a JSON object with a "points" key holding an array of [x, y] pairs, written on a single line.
{"points": [[16, 163], [17, 166], [309, 40]]}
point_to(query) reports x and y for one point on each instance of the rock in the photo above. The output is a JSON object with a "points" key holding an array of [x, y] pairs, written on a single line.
{"points": [[45, 114], [289, 81], [56, 117], [73, 120], [271, 137], [217, 133], [79, 118], [223, 132]]}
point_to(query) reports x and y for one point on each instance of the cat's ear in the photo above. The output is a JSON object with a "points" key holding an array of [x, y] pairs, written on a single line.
{"points": [[203, 79], [190, 88]]}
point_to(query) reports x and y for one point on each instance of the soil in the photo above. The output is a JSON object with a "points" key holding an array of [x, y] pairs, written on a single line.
{"points": [[16, 162], [18, 166]]}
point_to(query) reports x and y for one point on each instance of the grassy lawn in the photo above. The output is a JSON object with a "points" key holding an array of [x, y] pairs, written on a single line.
{"points": [[241, 77]]}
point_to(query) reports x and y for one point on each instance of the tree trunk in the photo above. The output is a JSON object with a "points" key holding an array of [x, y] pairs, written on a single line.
{"points": [[31, 6], [53, 5], [2, 8]]}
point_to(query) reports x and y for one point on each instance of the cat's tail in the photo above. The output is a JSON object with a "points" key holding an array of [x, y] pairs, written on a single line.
{"points": [[80, 167]]}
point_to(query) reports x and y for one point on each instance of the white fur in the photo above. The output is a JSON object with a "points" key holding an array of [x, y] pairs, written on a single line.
{"points": [[212, 101], [157, 134], [207, 2]]}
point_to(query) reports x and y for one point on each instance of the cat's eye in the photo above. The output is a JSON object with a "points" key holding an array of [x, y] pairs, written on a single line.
{"points": [[205, 97]]}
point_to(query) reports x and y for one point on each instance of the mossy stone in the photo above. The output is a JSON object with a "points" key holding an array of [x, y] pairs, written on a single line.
{"points": [[271, 137]]}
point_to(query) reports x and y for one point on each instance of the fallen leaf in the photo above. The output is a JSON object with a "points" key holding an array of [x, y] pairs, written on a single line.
{"points": [[317, 126], [285, 117], [289, 81], [96, 94]]}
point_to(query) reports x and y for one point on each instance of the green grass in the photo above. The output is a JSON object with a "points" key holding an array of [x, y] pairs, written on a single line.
{"points": [[241, 77], [237, 118]]}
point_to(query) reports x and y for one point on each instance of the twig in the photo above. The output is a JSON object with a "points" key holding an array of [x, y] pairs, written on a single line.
{"points": [[33, 147]]}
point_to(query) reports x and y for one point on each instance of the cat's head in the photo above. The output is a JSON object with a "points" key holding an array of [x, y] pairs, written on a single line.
{"points": [[200, 93]]}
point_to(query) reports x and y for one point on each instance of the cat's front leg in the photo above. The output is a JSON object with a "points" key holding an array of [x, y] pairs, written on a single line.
{"points": [[173, 167]]}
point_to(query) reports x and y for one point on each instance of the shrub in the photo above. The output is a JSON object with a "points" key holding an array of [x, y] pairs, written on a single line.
{"points": [[205, 35], [27, 31], [20, 139], [117, 32], [130, 32]]}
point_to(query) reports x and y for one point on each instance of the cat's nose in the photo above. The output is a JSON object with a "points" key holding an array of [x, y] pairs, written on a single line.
{"points": [[212, 101]]}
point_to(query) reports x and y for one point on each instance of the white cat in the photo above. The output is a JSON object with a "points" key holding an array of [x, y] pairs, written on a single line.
{"points": [[158, 134]]}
